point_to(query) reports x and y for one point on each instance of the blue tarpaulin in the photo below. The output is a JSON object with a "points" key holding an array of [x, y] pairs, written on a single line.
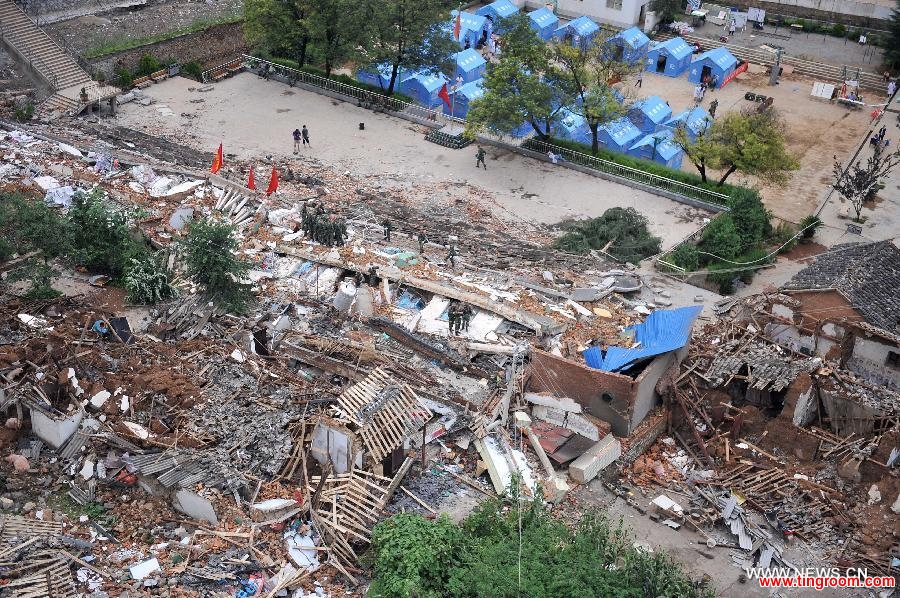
{"points": [[572, 126], [495, 11], [671, 57], [379, 76], [664, 330], [694, 122], [717, 64], [649, 114], [659, 147], [464, 96], [424, 88], [630, 45], [471, 27], [618, 135]]}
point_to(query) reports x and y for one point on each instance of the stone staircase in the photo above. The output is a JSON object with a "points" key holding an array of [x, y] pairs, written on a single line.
{"points": [[31, 45]]}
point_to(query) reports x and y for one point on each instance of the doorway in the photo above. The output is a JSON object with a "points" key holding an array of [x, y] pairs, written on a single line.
{"points": [[705, 74], [661, 63]]}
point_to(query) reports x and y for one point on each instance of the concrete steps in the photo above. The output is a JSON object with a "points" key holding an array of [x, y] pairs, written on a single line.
{"points": [[38, 49]]}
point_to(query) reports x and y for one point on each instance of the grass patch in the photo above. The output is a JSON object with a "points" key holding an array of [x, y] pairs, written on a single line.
{"points": [[638, 164], [129, 43]]}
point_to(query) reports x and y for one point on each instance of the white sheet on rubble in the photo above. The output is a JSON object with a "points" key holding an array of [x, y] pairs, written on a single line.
{"points": [[183, 187], [302, 551], [326, 283], [61, 196], [46, 183], [429, 321], [160, 186], [69, 149], [143, 174]]}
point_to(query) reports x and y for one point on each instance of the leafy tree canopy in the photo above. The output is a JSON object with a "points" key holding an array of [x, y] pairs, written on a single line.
{"points": [[721, 238], [892, 43], [210, 256], [620, 232]]}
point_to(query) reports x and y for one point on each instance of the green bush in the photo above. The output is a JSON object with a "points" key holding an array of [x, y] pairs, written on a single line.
{"points": [[720, 240], [126, 79], [101, 237], [146, 281], [147, 65], [24, 113], [193, 69], [520, 550], [638, 164], [624, 230], [838, 30], [210, 250], [809, 225], [750, 216], [784, 235], [685, 256]]}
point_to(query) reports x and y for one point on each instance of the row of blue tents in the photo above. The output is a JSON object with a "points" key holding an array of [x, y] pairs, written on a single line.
{"points": [[647, 131]]}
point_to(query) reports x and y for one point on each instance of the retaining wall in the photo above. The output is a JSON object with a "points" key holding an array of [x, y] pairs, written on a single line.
{"points": [[208, 47]]}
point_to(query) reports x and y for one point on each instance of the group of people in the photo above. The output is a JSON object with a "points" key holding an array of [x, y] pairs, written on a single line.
{"points": [[458, 317], [880, 139], [300, 135], [322, 227]]}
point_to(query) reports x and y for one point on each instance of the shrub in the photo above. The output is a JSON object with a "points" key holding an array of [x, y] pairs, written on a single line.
{"points": [[838, 30], [686, 256], [193, 69], [126, 79], [624, 230], [809, 225], [102, 239], [783, 236], [24, 113], [147, 65], [720, 239], [146, 281], [750, 216], [210, 250]]}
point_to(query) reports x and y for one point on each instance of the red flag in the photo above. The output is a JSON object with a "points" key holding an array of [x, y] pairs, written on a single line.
{"points": [[217, 162], [457, 27], [273, 182], [251, 181], [444, 95]]}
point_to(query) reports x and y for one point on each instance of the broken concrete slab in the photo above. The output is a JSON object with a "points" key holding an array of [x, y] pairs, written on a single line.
{"points": [[586, 467], [557, 417], [195, 506], [546, 400], [55, 431]]}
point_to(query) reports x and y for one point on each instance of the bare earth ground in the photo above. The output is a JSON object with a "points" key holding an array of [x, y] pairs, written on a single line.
{"points": [[158, 17], [254, 118], [817, 131]]}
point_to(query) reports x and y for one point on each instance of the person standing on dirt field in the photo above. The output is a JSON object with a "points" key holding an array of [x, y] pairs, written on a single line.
{"points": [[712, 108], [479, 157], [296, 141], [305, 133]]}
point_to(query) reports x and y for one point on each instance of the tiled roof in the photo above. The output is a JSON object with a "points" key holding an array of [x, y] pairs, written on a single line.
{"points": [[865, 274]]}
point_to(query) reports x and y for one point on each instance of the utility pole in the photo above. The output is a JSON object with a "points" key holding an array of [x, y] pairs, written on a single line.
{"points": [[773, 77]]}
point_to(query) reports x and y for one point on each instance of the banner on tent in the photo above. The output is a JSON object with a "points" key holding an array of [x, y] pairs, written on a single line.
{"points": [[740, 69]]}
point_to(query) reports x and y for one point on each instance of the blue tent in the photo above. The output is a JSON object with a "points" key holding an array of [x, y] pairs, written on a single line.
{"points": [[424, 88], [659, 147], [579, 31], [464, 95], [572, 126], [498, 10], [663, 331], [671, 58], [619, 135], [471, 27], [544, 22], [649, 114], [694, 121], [379, 75], [630, 45], [470, 65], [717, 63]]}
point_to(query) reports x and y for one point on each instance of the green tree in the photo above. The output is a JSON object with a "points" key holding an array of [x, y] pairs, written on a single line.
{"points": [[892, 43], [278, 27], [619, 232], [750, 216], [751, 142], [588, 73], [334, 30], [667, 10], [407, 34], [210, 256], [720, 239], [522, 87], [146, 281]]}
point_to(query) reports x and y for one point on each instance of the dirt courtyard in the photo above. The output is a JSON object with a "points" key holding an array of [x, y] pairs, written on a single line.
{"points": [[817, 130], [254, 118]]}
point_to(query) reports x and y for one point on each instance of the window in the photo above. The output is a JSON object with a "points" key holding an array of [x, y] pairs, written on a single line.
{"points": [[893, 359], [614, 4]]}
